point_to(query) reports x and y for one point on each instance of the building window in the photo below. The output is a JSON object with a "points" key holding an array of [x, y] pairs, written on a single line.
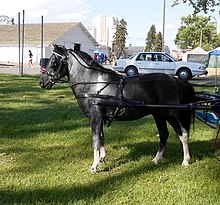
{"points": [[77, 46]]}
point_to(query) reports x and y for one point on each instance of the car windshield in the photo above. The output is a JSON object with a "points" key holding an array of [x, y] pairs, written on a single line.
{"points": [[132, 56], [174, 59]]}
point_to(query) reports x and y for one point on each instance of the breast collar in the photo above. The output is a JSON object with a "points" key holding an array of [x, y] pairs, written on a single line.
{"points": [[97, 94]]}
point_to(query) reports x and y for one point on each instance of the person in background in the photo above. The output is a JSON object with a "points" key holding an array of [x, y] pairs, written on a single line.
{"points": [[30, 63]]}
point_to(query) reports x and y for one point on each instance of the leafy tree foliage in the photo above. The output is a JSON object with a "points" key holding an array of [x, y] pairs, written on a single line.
{"points": [[158, 43], [200, 5], [119, 38], [153, 40], [195, 28]]}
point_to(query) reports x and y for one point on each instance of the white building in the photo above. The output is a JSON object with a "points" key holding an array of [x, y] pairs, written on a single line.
{"points": [[71, 35], [103, 29]]}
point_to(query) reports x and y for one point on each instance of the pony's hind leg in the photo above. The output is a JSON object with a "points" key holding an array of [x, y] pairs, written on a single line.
{"points": [[183, 136], [184, 139], [163, 134]]}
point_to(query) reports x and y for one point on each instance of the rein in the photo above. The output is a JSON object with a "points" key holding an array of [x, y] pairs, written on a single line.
{"points": [[84, 95], [79, 61], [92, 61]]}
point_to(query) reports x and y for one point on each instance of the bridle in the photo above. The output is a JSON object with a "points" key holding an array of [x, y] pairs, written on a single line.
{"points": [[54, 76]]}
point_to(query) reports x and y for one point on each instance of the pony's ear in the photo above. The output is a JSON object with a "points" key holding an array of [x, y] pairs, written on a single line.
{"points": [[64, 48], [54, 45]]}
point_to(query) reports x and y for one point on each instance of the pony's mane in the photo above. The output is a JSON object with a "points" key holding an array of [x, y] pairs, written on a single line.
{"points": [[91, 62]]}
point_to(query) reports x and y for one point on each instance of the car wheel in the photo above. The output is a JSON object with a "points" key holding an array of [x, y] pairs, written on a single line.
{"points": [[184, 74], [131, 71]]}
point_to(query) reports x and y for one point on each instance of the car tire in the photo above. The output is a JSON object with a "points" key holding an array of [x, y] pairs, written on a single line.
{"points": [[184, 74], [131, 71]]}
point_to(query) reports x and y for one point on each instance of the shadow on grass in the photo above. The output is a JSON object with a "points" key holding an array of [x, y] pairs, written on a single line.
{"points": [[26, 123], [95, 190], [72, 194], [173, 152], [57, 116]]}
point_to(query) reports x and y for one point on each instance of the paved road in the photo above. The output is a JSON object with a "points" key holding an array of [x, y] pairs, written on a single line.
{"points": [[14, 69], [210, 79]]}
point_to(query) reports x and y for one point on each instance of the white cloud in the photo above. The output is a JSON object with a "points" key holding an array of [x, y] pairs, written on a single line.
{"points": [[12, 7], [72, 16], [52, 10], [37, 13]]}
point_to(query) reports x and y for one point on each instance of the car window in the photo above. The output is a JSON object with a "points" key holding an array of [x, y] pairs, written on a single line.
{"points": [[141, 57], [174, 59], [161, 57], [144, 57], [149, 57]]}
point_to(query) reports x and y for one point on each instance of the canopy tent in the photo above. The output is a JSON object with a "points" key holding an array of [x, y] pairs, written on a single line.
{"points": [[214, 61], [214, 58], [197, 55]]}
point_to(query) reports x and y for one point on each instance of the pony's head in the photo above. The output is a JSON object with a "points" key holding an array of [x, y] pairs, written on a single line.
{"points": [[57, 67]]}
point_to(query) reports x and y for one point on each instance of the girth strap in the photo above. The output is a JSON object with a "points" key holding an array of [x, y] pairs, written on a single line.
{"points": [[120, 98]]}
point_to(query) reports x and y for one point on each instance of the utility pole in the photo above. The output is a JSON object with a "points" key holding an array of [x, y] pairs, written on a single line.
{"points": [[42, 36], [22, 54], [19, 43], [164, 15]]}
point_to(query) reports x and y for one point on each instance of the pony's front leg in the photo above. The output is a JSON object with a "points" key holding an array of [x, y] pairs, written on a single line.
{"points": [[98, 145], [99, 156], [96, 161]]}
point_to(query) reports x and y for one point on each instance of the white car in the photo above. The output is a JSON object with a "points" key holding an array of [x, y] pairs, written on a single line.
{"points": [[159, 62]]}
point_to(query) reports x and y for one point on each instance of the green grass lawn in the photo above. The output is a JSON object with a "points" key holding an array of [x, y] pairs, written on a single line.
{"points": [[45, 154]]}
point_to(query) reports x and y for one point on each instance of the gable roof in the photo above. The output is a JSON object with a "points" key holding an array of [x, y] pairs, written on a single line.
{"points": [[32, 33], [197, 50]]}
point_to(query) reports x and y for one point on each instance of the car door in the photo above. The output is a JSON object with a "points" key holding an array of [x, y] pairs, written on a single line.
{"points": [[163, 64], [144, 62]]}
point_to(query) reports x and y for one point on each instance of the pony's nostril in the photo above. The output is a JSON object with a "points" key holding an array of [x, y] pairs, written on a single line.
{"points": [[41, 84]]}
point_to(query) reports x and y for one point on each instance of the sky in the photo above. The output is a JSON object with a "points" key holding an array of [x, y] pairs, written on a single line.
{"points": [[140, 15]]}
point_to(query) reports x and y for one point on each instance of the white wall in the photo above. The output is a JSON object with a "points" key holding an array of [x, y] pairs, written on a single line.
{"points": [[77, 35], [11, 54]]}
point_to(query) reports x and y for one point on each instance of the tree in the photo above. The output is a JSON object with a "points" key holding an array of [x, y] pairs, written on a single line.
{"points": [[196, 30], [153, 40], [200, 5], [158, 43], [119, 38]]}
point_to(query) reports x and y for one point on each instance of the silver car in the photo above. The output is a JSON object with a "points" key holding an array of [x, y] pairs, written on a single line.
{"points": [[159, 62]]}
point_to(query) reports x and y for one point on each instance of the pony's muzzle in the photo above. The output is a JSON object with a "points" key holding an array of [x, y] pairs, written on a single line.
{"points": [[45, 82]]}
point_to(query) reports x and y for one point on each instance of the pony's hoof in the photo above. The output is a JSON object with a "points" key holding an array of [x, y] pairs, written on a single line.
{"points": [[155, 161], [92, 170], [185, 164]]}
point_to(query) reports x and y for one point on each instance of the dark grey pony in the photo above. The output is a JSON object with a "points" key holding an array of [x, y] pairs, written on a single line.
{"points": [[104, 95]]}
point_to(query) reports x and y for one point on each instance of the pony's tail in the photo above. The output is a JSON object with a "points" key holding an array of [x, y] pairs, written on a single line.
{"points": [[188, 96]]}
